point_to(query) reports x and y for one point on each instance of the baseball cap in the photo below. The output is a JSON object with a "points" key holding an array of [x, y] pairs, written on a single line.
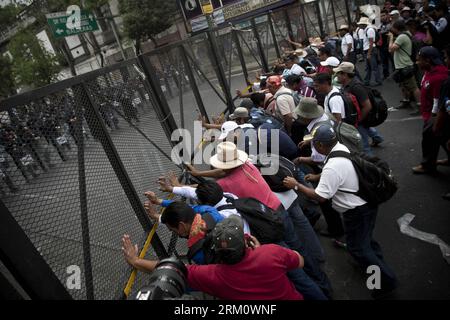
{"points": [[274, 81], [343, 27], [323, 133], [240, 112], [227, 127], [246, 103], [431, 53], [346, 67], [228, 239], [393, 12], [406, 9], [331, 61]]}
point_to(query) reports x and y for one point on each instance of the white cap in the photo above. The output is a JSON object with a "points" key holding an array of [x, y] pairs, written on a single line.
{"points": [[406, 9], [226, 128], [394, 12], [331, 62]]}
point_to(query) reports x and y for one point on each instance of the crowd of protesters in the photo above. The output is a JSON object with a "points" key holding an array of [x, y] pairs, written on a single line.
{"points": [[323, 110]]}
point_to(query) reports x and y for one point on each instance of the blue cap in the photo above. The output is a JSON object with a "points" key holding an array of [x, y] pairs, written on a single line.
{"points": [[323, 133], [431, 53]]}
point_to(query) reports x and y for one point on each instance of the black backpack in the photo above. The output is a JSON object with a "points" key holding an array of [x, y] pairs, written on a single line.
{"points": [[415, 47], [286, 168], [379, 112], [206, 244], [376, 183], [265, 224], [351, 105], [259, 117]]}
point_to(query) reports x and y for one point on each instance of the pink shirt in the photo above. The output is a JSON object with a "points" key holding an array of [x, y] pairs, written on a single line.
{"points": [[261, 275], [247, 182]]}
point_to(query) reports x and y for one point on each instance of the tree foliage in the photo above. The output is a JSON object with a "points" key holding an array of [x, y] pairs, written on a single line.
{"points": [[8, 15], [144, 19], [32, 65], [6, 76]]}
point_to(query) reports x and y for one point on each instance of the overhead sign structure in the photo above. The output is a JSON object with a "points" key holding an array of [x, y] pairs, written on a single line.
{"points": [[63, 24], [207, 7], [223, 10]]}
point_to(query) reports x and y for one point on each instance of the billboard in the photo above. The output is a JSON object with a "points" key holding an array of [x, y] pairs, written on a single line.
{"points": [[224, 10]]}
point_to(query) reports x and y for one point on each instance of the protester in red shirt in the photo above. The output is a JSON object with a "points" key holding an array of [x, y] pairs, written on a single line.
{"points": [[246, 270], [435, 73], [239, 176]]}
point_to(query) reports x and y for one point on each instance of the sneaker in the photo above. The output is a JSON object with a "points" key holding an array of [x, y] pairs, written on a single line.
{"points": [[421, 170], [339, 243], [375, 143]]}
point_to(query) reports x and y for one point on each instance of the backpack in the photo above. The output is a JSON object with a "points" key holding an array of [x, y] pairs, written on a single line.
{"points": [[286, 168], [376, 183], [415, 48], [206, 244], [378, 38], [347, 134], [351, 106], [259, 117], [379, 112], [265, 224], [295, 95]]}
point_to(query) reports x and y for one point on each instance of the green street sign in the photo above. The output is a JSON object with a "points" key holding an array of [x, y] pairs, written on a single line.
{"points": [[60, 28]]}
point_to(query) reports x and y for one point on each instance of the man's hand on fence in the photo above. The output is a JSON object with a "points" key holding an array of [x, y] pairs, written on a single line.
{"points": [[151, 211], [165, 185], [174, 179], [153, 198], [130, 252], [192, 170]]}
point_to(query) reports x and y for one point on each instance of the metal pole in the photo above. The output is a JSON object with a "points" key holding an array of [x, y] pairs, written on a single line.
{"points": [[274, 37], [217, 64], [161, 106], [116, 35], [193, 83], [265, 65], [334, 16], [349, 16], [25, 263], [289, 27], [80, 99], [319, 19], [302, 9], [99, 130], [240, 55]]}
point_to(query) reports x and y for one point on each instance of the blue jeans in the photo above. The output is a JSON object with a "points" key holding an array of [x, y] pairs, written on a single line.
{"points": [[305, 233], [372, 66], [311, 267], [303, 283], [367, 133], [359, 224]]}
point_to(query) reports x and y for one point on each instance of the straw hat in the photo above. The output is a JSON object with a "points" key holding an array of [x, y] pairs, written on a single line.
{"points": [[228, 156], [364, 20], [343, 27], [316, 42], [300, 53]]}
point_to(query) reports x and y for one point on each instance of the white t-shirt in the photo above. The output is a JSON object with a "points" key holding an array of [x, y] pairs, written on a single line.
{"points": [[360, 34], [346, 40], [284, 103], [339, 174], [336, 104], [369, 33], [189, 192], [316, 156]]}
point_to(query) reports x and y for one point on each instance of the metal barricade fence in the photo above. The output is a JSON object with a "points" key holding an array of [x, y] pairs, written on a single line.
{"points": [[76, 156]]}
